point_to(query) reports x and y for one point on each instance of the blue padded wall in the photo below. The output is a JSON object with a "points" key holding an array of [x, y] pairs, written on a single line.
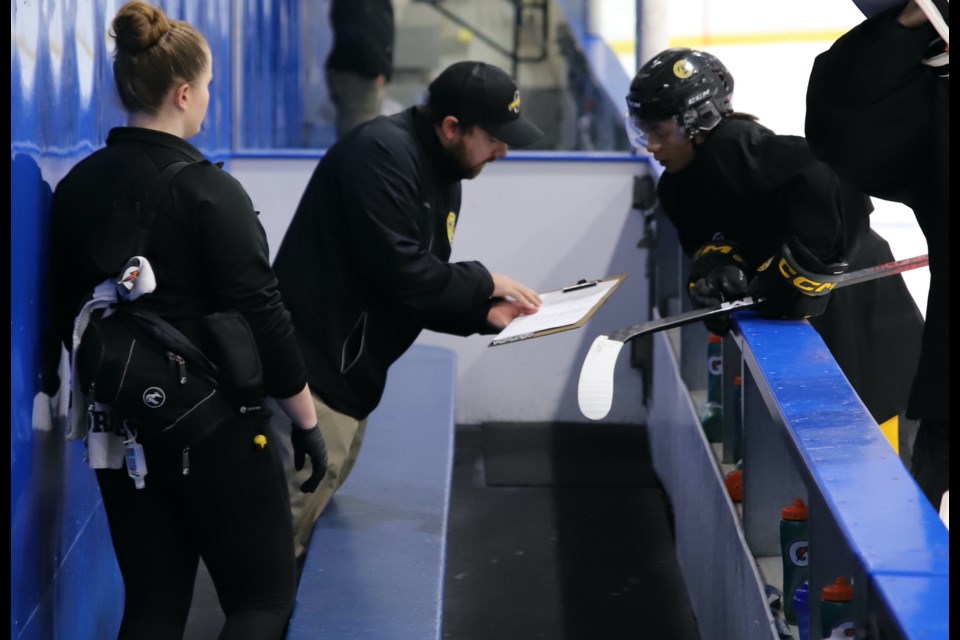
{"points": [[64, 581], [271, 113]]}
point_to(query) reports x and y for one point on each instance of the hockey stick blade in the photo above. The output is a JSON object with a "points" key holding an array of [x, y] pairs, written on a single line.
{"points": [[595, 387]]}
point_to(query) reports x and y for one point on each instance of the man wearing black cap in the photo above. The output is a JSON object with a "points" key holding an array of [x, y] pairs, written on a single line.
{"points": [[363, 268]]}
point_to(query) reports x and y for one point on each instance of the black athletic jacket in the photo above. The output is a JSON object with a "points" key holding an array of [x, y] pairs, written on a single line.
{"points": [[364, 266], [208, 249], [363, 35], [757, 189]]}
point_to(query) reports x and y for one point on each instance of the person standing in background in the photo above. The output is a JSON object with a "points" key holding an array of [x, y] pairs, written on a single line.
{"points": [[878, 113], [360, 63]]}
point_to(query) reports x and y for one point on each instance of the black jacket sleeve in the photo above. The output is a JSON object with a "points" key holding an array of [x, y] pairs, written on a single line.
{"points": [[392, 233], [819, 211], [235, 266], [785, 189]]}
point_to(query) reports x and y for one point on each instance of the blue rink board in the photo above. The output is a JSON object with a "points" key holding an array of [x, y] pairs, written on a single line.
{"points": [[888, 524], [375, 566]]}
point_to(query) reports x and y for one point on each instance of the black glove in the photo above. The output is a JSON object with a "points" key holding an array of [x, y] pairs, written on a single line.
{"points": [[309, 442], [794, 283], [716, 275]]}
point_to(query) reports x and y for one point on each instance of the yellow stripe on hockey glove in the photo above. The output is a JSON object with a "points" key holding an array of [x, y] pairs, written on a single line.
{"points": [[793, 291]]}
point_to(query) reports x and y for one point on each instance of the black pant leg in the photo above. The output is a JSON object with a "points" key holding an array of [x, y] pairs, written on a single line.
{"points": [[157, 557], [931, 459], [241, 511]]}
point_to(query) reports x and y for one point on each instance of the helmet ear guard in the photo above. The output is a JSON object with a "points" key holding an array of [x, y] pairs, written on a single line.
{"points": [[703, 117]]}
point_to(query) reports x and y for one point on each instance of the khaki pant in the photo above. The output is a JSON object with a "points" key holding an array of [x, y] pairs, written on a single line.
{"points": [[343, 436], [356, 98]]}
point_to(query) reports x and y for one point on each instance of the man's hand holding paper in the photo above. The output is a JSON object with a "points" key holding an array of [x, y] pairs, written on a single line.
{"points": [[515, 300], [557, 311]]}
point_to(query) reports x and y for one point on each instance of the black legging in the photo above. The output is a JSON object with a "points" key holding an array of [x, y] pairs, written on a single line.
{"points": [[232, 510], [879, 117]]}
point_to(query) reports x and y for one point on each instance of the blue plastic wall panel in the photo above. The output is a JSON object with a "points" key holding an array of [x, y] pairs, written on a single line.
{"points": [[64, 581], [63, 97], [271, 115], [720, 573], [375, 567], [887, 522]]}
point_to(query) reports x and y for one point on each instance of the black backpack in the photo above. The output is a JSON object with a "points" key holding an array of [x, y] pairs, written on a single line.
{"points": [[155, 380], [151, 375]]}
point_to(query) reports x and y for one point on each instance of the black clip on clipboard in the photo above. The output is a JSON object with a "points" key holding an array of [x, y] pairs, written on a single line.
{"points": [[610, 283], [582, 284]]}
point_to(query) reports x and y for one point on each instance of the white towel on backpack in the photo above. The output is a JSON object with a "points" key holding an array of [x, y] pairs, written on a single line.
{"points": [[104, 450]]}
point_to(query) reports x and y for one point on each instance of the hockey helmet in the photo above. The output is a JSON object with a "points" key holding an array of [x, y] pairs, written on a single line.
{"points": [[692, 86]]}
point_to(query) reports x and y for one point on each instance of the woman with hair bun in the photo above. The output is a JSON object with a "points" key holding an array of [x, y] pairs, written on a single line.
{"points": [[219, 495]]}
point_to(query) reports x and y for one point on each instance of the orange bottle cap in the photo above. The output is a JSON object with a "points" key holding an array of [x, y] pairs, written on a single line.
{"points": [[796, 511], [734, 483], [839, 591], [714, 339]]}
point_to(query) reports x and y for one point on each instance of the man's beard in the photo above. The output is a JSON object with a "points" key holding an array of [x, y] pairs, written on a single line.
{"points": [[461, 168]]}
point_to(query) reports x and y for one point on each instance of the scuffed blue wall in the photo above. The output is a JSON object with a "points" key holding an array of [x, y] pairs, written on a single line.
{"points": [[273, 86], [64, 580]]}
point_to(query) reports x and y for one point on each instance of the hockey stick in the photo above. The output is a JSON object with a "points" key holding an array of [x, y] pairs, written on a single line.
{"points": [[595, 389]]}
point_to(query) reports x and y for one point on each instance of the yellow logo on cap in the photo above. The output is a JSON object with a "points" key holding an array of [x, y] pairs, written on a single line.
{"points": [[515, 105], [682, 69], [451, 226]]}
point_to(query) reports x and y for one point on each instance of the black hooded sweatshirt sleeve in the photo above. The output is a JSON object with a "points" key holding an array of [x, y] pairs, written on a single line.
{"points": [[760, 190]]}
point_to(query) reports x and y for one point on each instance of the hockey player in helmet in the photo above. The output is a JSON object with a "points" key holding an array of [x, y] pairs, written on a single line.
{"points": [[677, 95], [751, 207]]}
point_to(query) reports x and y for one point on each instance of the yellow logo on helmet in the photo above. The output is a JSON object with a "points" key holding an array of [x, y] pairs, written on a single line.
{"points": [[515, 104], [451, 226], [682, 69]]}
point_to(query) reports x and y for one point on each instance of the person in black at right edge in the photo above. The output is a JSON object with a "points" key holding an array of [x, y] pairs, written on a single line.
{"points": [[877, 112], [743, 199], [360, 63]]}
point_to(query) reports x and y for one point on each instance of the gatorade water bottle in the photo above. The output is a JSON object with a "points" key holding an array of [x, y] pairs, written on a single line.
{"points": [[794, 539], [712, 418], [801, 609], [836, 609]]}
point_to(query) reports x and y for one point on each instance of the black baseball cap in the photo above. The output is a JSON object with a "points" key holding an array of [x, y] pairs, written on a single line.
{"points": [[484, 95]]}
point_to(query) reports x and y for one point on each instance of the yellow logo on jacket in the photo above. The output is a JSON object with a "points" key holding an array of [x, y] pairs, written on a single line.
{"points": [[451, 226]]}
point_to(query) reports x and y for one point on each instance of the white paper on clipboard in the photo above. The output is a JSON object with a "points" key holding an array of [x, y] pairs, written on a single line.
{"points": [[559, 309]]}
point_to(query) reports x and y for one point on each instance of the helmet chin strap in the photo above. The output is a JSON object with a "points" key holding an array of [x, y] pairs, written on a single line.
{"points": [[695, 142]]}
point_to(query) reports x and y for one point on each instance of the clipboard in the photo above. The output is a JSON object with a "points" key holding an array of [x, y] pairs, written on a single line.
{"points": [[562, 310]]}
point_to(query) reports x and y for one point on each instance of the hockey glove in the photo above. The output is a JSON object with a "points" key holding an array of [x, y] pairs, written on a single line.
{"points": [[309, 442], [795, 284], [716, 275]]}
